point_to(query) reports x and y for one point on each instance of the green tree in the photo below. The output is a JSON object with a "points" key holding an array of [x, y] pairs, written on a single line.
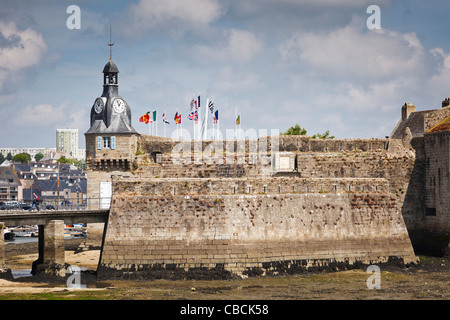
{"points": [[295, 131], [9, 156], [2, 158], [325, 135], [67, 160], [22, 158], [81, 164], [38, 156]]}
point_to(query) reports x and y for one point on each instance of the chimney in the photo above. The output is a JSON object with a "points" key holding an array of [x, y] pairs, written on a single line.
{"points": [[446, 102], [407, 109]]}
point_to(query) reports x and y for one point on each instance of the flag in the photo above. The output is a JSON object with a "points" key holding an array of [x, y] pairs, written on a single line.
{"points": [[211, 106], [193, 105], [145, 118], [198, 102], [216, 116], [164, 118], [238, 120], [193, 115], [154, 115], [177, 118]]}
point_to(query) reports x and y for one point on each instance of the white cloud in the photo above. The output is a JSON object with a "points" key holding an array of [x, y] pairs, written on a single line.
{"points": [[176, 16], [232, 46], [229, 79], [351, 52], [22, 49], [48, 116]]}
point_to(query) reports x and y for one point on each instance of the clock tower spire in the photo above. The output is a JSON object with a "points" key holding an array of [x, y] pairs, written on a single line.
{"points": [[110, 44]]}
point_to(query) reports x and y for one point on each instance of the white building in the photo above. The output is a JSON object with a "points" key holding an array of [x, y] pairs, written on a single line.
{"points": [[31, 151], [67, 142]]}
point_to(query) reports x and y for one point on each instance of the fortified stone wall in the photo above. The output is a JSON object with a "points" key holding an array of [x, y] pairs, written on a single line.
{"points": [[335, 204], [437, 175], [223, 236], [150, 144], [230, 186]]}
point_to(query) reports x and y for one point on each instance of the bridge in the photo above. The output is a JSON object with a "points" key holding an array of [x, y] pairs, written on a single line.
{"points": [[43, 217], [51, 233]]}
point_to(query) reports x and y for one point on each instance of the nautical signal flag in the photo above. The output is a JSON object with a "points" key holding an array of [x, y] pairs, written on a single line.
{"points": [[238, 120], [177, 118], [145, 118], [211, 106]]}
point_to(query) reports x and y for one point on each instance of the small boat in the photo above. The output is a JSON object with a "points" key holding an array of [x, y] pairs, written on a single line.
{"points": [[8, 235]]}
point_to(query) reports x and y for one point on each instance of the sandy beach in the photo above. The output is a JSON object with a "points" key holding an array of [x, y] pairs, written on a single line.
{"points": [[428, 281], [85, 259]]}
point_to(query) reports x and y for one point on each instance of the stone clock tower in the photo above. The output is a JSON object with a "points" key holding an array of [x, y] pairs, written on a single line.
{"points": [[111, 141]]}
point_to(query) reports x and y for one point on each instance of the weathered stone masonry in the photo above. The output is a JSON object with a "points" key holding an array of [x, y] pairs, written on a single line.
{"points": [[336, 209], [184, 236]]}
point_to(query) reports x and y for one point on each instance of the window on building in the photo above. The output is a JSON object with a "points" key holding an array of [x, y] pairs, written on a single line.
{"points": [[106, 143], [430, 211]]}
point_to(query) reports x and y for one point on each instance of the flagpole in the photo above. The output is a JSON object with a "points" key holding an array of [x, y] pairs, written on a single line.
{"points": [[205, 120], [235, 122], [199, 121], [155, 118], [164, 124], [193, 125], [176, 125], [181, 122]]}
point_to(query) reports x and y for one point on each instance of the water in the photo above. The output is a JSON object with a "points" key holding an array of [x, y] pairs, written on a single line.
{"points": [[23, 240], [20, 273]]}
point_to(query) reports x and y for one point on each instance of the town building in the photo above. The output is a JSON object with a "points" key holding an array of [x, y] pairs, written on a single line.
{"points": [[67, 142], [10, 186]]}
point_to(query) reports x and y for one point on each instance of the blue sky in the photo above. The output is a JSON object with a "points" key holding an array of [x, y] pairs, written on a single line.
{"points": [[279, 63]]}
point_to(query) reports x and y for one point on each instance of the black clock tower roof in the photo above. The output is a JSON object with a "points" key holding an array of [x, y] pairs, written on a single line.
{"points": [[108, 121], [110, 67]]}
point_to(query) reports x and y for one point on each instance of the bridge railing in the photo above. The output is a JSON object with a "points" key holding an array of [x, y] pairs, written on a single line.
{"points": [[63, 204]]}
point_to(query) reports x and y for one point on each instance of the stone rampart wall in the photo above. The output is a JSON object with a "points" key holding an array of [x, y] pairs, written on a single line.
{"points": [[150, 145], [230, 186], [437, 181], [222, 236]]}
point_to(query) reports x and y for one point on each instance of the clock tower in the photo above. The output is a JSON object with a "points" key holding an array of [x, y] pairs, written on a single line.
{"points": [[111, 141]]}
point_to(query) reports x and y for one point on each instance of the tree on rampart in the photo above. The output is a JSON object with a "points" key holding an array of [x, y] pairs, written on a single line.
{"points": [[299, 131]]}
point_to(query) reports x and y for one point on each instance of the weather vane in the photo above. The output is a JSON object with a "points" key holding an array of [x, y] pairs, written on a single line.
{"points": [[110, 44]]}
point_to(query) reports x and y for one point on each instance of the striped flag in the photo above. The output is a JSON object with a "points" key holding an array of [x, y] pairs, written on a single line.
{"points": [[211, 106]]}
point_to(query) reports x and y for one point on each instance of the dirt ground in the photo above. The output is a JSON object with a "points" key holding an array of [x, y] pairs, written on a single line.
{"points": [[428, 281]]}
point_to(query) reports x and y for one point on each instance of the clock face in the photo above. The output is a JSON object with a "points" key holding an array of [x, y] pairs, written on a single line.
{"points": [[118, 105], [98, 105]]}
